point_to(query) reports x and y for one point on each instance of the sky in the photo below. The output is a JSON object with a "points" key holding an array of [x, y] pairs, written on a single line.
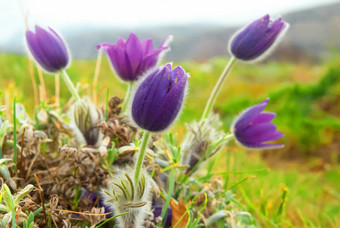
{"points": [[66, 14]]}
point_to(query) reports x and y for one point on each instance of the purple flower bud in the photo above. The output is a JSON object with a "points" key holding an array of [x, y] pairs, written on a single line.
{"points": [[159, 98], [257, 39], [253, 128], [48, 49], [130, 58]]}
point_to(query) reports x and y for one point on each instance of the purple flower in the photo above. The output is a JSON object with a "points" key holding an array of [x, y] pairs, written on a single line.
{"points": [[253, 128], [257, 39], [159, 98], [130, 58], [157, 211], [48, 49]]}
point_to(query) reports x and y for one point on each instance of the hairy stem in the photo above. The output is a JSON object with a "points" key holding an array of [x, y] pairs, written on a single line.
{"points": [[96, 75], [70, 85], [127, 97], [139, 163], [217, 89]]}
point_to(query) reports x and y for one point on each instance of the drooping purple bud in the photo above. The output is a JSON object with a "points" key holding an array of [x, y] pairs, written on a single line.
{"points": [[48, 49], [253, 128], [130, 58], [257, 39], [159, 98]]}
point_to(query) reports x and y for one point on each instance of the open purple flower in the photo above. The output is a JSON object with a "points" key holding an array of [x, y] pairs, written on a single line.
{"points": [[159, 98], [253, 128], [132, 57], [48, 49], [257, 39]]}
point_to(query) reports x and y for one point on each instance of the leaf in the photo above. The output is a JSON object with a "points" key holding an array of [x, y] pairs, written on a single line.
{"points": [[180, 216], [23, 193]]}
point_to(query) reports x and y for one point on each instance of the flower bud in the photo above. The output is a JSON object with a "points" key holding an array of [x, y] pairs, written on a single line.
{"points": [[204, 137], [130, 58], [257, 39], [48, 49], [85, 120], [121, 196], [253, 128], [159, 98]]}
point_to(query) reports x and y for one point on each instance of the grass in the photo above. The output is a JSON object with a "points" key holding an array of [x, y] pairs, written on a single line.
{"points": [[299, 94], [313, 197]]}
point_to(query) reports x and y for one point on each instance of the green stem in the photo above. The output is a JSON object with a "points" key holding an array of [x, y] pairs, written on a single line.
{"points": [[168, 197], [217, 88], [96, 75], [127, 97], [14, 137], [140, 159], [70, 85], [107, 104]]}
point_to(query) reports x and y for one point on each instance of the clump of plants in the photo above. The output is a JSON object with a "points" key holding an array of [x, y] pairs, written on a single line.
{"points": [[87, 165]]}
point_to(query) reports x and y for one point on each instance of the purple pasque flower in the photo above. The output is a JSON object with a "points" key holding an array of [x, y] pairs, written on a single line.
{"points": [[157, 208], [48, 49], [132, 57], [257, 39], [159, 98], [253, 128]]}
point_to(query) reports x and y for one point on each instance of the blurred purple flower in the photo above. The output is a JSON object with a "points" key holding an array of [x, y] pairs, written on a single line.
{"points": [[253, 128], [132, 57], [159, 98], [94, 197], [157, 211], [257, 39], [48, 49]]}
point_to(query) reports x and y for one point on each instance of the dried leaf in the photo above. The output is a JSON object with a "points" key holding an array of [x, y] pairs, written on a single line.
{"points": [[180, 216]]}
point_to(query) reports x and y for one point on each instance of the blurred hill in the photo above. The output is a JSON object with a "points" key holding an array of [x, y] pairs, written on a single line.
{"points": [[313, 33]]}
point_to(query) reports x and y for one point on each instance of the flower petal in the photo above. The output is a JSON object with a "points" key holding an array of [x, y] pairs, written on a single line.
{"points": [[134, 51], [264, 117], [256, 133], [171, 105], [246, 117]]}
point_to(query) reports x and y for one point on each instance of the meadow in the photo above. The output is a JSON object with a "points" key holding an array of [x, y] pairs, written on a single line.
{"points": [[296, 186]]}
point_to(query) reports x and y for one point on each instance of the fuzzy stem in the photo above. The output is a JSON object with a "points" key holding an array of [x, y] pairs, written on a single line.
{"points": [[140, 160], [57, 90], [14, 136], [34, 83], [127, 97], [96, 76], [217, 88], [42, 87], [70, 85]]}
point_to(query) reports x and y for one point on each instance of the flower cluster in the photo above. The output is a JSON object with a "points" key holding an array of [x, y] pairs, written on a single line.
{"points": [[157, 98]]}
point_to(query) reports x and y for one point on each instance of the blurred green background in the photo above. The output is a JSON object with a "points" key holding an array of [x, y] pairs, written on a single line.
{"points": [[305, 96]]}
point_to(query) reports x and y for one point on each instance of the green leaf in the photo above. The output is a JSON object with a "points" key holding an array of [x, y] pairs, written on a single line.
{"points": [[6, 219], [23, 193], [8, 198], [30, 219], [5, 172]]}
